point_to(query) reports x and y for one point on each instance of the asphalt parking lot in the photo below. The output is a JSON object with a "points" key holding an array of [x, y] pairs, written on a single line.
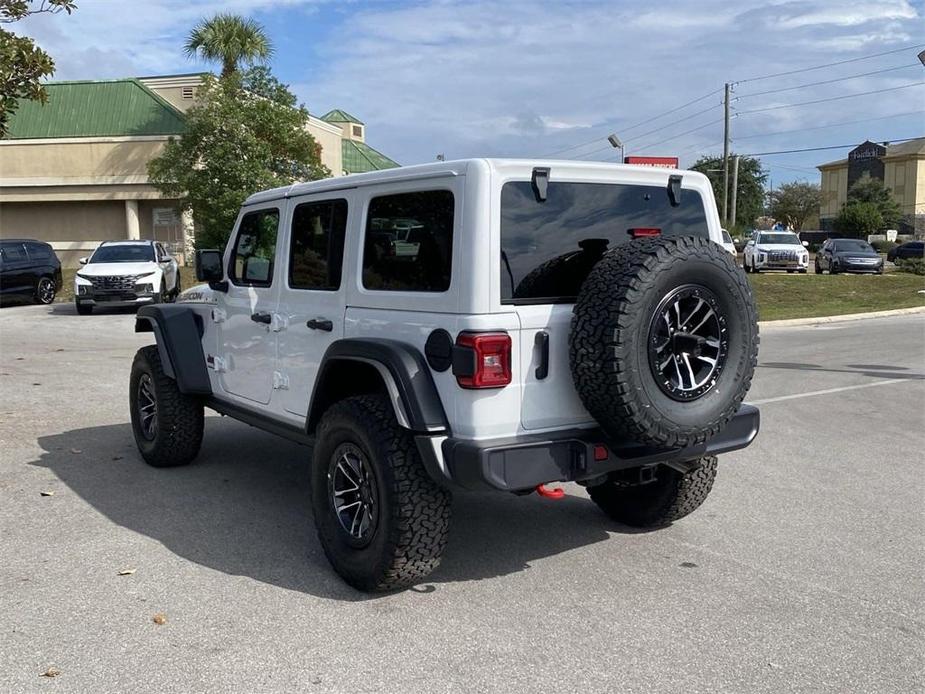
{"points": [[803, 572]]}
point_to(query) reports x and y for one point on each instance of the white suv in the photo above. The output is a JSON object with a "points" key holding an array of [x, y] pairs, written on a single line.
{"points": [[126, 273], [557, 321], [775, 250]]}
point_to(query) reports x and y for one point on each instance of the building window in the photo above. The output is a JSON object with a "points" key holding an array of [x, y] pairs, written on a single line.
{"points": [[358, 131], [186, 92]]}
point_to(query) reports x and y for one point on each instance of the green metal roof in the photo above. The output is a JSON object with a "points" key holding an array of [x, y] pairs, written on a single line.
{"points": [[338, 116], [359, 157], [95, 109]]}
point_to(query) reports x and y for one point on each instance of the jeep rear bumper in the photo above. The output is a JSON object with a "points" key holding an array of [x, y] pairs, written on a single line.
{"points": [[522, 463]]}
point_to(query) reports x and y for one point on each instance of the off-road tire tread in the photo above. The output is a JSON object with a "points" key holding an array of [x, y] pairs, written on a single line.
{"points": [[644, 506], [180, 417], [420, 508], [603, 333]]}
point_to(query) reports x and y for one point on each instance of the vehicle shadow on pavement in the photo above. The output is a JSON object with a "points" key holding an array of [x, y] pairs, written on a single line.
{"points": [[243, 508]]}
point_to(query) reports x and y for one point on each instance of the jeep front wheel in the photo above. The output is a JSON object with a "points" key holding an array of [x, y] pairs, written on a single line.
{"points": [[167, 423], [671, 495], [382, 521]]}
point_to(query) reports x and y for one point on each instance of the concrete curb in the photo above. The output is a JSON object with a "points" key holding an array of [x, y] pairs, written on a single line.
{"points": [[788, 322]]}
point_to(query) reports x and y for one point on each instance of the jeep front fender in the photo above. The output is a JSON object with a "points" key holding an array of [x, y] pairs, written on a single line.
{"points": [[178, 332]]}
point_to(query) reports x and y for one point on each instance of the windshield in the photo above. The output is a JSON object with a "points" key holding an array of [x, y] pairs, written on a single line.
{"points": [[853, 245], [124, 253], [548, 248], [786, 239]]}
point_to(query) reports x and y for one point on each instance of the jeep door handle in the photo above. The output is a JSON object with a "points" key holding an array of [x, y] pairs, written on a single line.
{"points": [[320, 324], [262, 317]]}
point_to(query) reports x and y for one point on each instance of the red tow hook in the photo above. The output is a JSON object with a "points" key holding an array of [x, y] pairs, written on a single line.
{"points": [[556, 493]]}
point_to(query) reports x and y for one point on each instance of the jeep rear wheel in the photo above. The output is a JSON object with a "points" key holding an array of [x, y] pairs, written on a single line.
{"points": [[664, 341], [670, 496], [167, 423], [382, 521]]}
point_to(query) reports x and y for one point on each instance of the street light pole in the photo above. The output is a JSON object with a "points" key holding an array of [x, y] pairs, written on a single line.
{"points": [[616, 142]]}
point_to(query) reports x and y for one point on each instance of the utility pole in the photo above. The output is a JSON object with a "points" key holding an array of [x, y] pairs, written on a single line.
{"points": [[735, 188], [726, 156]]}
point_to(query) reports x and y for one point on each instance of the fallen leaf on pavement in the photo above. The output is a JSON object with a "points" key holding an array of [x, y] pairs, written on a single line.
{"points": [[126, 572], [160, 618], [76, 450], [51, 672], [47, 493]]}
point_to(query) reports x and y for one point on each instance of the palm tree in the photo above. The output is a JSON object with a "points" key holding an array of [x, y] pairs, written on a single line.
{"points": [[230, 39]]}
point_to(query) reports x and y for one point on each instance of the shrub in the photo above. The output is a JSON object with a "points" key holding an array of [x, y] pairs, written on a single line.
{"points": [[915, 266], [883, 246]]}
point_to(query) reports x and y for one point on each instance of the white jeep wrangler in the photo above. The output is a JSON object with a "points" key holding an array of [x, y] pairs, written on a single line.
{"points": [[556, 321]]}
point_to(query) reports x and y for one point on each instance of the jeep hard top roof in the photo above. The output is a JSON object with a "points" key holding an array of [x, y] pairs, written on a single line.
{"points": [[646, 175]]}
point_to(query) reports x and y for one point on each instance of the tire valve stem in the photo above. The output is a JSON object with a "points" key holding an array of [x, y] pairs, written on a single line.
{"points": [[547, 493]]}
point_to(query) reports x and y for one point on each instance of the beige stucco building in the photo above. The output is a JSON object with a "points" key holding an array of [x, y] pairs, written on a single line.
{"points": [[901, 167], [74, 172]]}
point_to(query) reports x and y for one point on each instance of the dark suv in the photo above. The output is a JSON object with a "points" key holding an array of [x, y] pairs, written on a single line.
{"points": [[29, 268]]}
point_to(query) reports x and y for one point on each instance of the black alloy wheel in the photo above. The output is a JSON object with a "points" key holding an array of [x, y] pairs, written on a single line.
{"points": [[45, 290], [687, 342], [146, 402], [354, 494]]}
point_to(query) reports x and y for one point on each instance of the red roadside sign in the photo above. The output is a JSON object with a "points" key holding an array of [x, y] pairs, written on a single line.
{"points": [[664, 162]]}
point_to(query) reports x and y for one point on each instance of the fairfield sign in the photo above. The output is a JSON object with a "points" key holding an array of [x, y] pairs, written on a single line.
{"points": [[662, 162]]}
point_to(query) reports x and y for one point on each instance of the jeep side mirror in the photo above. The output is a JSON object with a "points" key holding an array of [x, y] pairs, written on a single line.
{"points": [[83, 261], [209, 269]]}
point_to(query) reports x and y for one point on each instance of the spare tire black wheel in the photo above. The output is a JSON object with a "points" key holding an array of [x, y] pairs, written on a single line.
{"points": [[664, 341]]}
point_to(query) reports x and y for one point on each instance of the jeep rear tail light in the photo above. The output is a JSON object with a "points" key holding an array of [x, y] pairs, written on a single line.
{"points": [[645, 232], [482, 360]]}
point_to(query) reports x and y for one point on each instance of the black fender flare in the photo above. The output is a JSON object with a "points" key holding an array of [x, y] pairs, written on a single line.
{"points": [[406, 376], [178, 331]]}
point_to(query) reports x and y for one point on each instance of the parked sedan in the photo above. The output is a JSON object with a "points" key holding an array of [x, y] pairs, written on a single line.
{"points": [[29, 268], [848, 255], [906, 251]]}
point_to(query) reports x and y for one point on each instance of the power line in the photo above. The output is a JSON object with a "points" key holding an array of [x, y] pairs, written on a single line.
{"points": [[838, 79], [640, 123], [819, 149], [824, 127], [673, 137], [831, 98], [840, 62], [668, 125]]}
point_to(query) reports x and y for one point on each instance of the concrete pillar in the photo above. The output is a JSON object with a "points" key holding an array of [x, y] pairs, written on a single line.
{"points": [[132, 227]]}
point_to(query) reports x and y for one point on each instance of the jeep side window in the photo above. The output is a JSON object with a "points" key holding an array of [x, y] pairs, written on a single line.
{"points": [[409, 242], [316, 250], [255, 248]]}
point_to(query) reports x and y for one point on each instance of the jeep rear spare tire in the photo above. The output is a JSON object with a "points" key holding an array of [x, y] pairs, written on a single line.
{"points": [[664, 341]]}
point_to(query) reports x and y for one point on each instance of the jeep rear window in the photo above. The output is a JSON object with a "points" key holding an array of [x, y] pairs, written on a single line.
{"points": [[548, 248]]}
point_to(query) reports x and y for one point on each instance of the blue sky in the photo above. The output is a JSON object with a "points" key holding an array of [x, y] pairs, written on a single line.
{"points": [[533, 78]]}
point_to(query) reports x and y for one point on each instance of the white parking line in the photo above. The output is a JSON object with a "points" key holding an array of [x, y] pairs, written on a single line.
{"points": [[828, 391]]}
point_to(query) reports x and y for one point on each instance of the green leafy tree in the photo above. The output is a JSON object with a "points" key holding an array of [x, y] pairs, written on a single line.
{"points": [[236, 143], [858, 220], [231, 40], [872, 190], [794, 203], [23, 65], [750, 200]]}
